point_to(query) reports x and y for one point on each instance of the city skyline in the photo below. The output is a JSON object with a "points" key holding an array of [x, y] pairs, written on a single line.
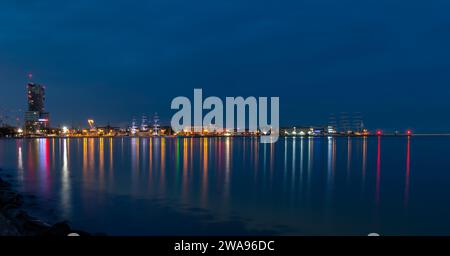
{"points": [[343, 121], [319, 58], [36, 120], [233, 126]]}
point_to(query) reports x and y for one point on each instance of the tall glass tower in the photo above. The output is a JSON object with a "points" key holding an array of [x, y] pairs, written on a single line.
{"points": [[36, 119], [36, 97]]}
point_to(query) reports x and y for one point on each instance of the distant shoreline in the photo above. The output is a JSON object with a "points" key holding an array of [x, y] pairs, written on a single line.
{"points": [[237, 136]]}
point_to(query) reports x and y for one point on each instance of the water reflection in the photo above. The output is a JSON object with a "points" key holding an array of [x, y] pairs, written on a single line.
{"points": [[227, 168], [301, 161], [150, 161], [293, 162], [226, 179], [185, 169], [43, 154], [310, 166], [101, 163], [364, 164], [204, 186], [378, 177], [163, 161], [349, 157], [330, 168], [85, 161], [408, 170], [111, 159], [20, 160], [285, 161], [65, 182]]}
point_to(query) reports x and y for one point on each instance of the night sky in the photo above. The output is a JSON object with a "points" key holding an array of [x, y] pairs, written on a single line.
{"points": [[112, 60]]}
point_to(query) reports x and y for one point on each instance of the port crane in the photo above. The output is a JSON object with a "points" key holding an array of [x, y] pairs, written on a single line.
{"points": [[91, 125]]}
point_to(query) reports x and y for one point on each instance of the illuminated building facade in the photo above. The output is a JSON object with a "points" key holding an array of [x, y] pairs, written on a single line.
{"points": [[36, 119]]}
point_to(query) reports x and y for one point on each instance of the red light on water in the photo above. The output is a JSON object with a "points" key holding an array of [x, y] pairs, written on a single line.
{"points": [[379, 132], [408, 132]]}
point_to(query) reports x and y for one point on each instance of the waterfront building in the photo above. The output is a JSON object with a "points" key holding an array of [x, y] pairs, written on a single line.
{"points": [[36, 119], [304, 130], [108, 131], [8, 131], [331, 129]]}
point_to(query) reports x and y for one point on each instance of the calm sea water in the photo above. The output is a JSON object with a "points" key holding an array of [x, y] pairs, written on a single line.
{"points": [[236, 186]]}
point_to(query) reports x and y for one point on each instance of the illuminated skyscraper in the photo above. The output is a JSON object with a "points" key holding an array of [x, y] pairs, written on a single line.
{"points": [[36, 119], [36, 97]]}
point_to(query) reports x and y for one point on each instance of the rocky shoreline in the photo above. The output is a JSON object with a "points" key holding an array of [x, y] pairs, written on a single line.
{"points": [[15, 221]]}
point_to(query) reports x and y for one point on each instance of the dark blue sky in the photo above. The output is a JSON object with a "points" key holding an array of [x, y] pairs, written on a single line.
{"points": [[110, 60]]}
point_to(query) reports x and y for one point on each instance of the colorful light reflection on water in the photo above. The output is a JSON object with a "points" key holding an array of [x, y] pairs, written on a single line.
{"points": [[311, 186]]}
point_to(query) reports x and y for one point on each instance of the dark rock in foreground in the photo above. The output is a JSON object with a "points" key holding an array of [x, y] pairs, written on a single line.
{"points": [[14, 221], [7, 228]]}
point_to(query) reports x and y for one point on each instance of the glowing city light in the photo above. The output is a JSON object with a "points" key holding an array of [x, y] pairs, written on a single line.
{"points": [[91, 123]]}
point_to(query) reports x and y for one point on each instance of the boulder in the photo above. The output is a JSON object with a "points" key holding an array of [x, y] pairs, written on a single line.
{"points": [[59, 229], [10, 200]]}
